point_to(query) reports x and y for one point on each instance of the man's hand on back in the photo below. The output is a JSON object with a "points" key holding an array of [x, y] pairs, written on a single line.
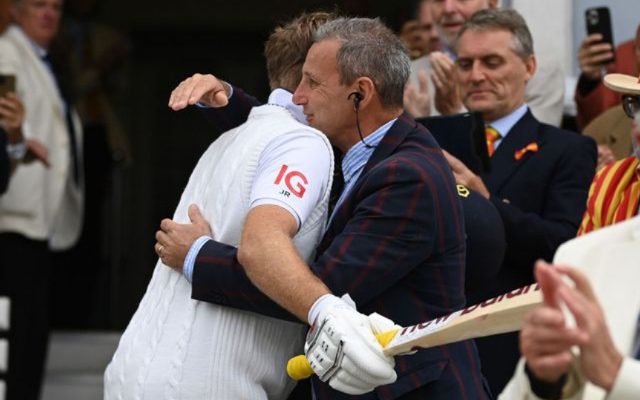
{"points": [[174, 240]]}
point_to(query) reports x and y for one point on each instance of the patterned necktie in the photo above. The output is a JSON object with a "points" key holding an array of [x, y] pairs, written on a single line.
{"points": [[491, 135]]}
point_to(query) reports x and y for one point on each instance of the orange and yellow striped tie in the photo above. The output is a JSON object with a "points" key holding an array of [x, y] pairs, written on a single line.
{"points": [[491, 135]]}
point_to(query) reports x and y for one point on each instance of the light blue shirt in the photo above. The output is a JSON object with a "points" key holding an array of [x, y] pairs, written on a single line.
{"points": [[356, 158], [190, 259], [503, 125]]}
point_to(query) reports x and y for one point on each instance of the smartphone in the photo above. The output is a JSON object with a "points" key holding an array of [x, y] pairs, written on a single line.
{"points": [[598, 20], [7, 84]]}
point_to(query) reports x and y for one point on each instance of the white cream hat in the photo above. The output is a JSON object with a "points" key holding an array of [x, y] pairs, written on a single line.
{"points": [[623, 83]]}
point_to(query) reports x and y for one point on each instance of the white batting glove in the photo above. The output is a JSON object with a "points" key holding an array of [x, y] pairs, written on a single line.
{"points": [[343, 350], [381, 324]]}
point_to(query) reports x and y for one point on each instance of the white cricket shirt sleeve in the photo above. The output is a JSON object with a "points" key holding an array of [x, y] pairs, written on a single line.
{"points": [[293, 172]]}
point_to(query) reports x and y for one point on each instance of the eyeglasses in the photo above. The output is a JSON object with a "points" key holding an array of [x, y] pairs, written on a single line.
{"points": [[631, 105]]}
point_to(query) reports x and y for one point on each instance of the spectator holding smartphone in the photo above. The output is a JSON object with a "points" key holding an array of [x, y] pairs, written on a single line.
{"points": [[592, 97]]}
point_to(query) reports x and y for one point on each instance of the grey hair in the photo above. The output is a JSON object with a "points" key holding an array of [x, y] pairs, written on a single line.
{"points": [[368, 48], [506, 20]]}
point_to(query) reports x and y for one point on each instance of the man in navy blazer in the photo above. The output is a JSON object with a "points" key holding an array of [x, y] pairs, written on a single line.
{"points": [[540, 174], [395, 242]]}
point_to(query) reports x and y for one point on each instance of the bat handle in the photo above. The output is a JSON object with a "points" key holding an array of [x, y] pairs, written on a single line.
{"points": [[298, 367]]}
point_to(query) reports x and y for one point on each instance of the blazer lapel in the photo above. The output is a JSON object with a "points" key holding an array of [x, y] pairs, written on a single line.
{"points": [[503, 162], [391, 140]]}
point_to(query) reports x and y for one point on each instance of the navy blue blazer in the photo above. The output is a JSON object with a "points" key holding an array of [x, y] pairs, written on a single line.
{"points": [[541, 199], [396, 245]]}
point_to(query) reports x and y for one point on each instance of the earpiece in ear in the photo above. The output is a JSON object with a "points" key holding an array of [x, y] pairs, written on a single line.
{"points": [[357, 98]]}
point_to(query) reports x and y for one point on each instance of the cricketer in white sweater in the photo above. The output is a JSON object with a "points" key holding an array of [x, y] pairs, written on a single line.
{"points": [[179, 348]]}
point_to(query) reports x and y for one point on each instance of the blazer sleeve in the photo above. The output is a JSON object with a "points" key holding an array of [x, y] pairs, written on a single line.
{"points": [[385, 237], [5, 167], [233, 114], [538, 235], [219, 278]]}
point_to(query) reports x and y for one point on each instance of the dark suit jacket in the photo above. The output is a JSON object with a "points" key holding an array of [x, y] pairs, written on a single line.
{"points": [[396, 245], [4, 162], [541, 199]]}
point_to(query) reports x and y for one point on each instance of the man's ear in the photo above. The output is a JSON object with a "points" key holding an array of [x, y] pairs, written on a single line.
{"points": [[366, 88], [531, 65], [493, 4]]}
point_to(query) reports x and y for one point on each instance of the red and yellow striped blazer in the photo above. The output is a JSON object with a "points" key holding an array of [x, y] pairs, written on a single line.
{"points": [[614, 195]]}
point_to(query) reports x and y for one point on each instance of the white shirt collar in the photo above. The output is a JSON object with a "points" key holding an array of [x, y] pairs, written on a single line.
{"points": [[284, 98]]}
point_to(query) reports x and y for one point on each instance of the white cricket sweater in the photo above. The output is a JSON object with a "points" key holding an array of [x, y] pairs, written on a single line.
{"points": [[179, 348]]}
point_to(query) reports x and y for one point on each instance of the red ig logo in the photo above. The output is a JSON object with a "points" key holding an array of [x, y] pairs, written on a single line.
{"points": [[292, 180]]}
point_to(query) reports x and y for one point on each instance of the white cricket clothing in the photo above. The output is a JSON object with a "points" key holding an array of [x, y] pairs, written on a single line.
{"points": [[179, 348], [286, 170]]}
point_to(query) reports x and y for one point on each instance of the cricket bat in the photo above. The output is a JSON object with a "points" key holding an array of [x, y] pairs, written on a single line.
{"points": [[497, 315]]}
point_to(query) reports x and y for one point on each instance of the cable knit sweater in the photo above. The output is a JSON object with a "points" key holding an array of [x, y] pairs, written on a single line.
{"points": [[179, 348]]}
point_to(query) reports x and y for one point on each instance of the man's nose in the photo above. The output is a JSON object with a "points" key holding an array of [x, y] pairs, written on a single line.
{"points": [[298, 97], [476, 72], [450, 6]]}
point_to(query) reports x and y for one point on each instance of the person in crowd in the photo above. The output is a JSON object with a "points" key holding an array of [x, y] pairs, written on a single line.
{"points": [[395, 236], [272, 162], [539, 175], [418, 92], [604, 304], [427, 27], [547, 369], [615, 192], [594, 56], [14, 148], [598, 115], [412, 38], [42, 208], [544, 91]]}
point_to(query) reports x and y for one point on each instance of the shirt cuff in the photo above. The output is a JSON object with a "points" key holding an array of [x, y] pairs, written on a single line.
{"points": [[229, 89], [190, 260]]}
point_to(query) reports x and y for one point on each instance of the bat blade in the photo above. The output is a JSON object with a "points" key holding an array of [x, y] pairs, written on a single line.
{"points": [[497, 315]]}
